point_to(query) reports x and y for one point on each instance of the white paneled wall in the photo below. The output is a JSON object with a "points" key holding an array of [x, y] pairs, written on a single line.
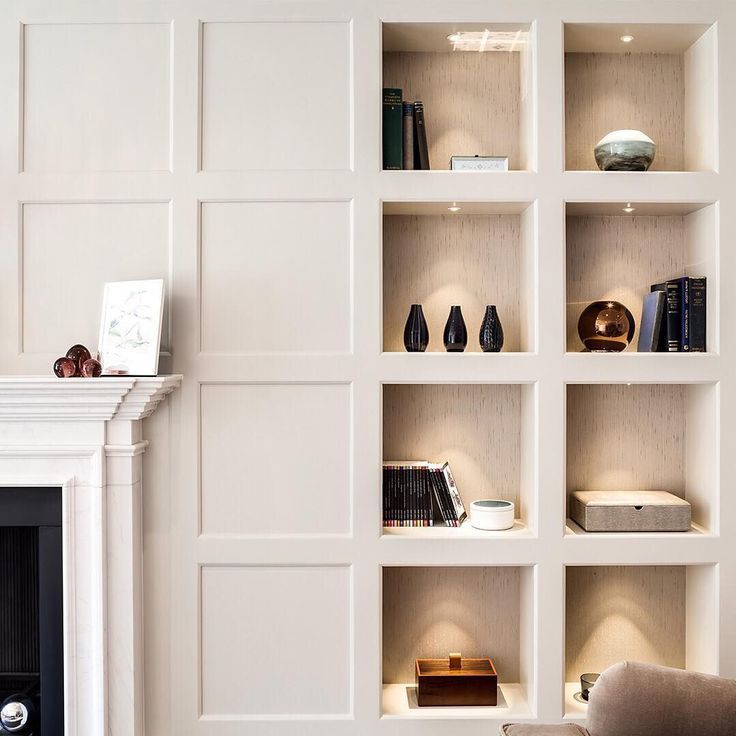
{"points": [[298, 114], [96, 96], [108, 241], [304, 670], [253, 485], [275, 277], [233, 148]]}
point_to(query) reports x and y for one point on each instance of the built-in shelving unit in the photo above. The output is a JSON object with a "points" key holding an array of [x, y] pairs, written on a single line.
{"points": [[486, 431], [617, 250], [469, 253], [474, 102], [544, 418], [643, 436], [657, 614], [474, 610], [661, 82]]}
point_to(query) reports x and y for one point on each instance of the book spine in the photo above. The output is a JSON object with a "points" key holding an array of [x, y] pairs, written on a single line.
{"points": [[417, 520], [420, 137], [674, 315], [392, 129], [662, 343], [387, 495], [437, 484], [429, 508], [457, 503], [447, 497], [408, 131], [697, 315], [408, 494], [403, 483], [412, 496], [685, 316]]}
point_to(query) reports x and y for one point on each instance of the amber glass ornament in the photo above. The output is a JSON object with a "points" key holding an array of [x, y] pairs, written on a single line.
{"points": [[91, 368], [65, 367], [78, 353], [606, 327]]}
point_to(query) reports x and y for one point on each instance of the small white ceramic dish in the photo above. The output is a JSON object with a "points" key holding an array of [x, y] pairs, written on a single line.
{"points": [[492, 514]]}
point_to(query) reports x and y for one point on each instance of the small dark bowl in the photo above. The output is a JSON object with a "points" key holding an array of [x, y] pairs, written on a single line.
{"points": [[586, 683]]}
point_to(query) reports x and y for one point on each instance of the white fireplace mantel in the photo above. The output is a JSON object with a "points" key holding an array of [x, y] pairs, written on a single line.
{"points": [[84, 436]]}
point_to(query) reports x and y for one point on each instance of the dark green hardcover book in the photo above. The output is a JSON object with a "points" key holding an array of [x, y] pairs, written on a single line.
{"points": [[393, 132], [697, 314]]}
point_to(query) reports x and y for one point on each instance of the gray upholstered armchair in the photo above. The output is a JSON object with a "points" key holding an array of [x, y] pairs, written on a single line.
{"points": [[632, 699]]}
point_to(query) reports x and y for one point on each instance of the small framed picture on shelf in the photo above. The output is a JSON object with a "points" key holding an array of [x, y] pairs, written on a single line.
{"points": [[130, 329], [479, 163]]}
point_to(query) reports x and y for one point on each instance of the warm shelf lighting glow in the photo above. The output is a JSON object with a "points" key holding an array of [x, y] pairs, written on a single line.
{"points": [[628, 209], [487, 40], [454, 207], [627, 38]]}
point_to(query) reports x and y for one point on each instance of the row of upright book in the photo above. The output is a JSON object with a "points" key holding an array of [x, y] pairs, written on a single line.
{"points": [[673, 318], [419, 494], [404, 132]]}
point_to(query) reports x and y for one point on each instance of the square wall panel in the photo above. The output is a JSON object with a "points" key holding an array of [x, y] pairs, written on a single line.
{"points": [[276, 459], [276, 96], [276, 641], [96, 97], [624, 613], [69, 251], [276, 277]]}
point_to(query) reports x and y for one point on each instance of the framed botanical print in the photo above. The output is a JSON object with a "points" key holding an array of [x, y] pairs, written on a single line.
{"points": [[130, 330]]}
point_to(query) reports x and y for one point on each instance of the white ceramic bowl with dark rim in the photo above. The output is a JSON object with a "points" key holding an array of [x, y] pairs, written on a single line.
{"points": [[625, 150], [492, 514]]}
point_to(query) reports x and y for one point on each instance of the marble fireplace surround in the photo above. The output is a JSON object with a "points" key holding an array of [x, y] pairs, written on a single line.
{"points": [[85, 437]]}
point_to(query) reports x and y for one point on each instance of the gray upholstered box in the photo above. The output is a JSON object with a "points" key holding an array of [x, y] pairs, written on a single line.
{"points": [[630, 511]]}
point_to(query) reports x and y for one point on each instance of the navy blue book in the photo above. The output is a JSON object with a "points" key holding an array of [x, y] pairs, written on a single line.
{"points": [[697, 315], [673, 313], [651, 322], [685, 315]]}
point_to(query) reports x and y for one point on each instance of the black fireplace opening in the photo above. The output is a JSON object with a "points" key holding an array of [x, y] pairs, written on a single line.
{"points": [[31, 613]]}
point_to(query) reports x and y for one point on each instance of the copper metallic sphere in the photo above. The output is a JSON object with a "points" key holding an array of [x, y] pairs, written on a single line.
{"points": [[606, 327]]}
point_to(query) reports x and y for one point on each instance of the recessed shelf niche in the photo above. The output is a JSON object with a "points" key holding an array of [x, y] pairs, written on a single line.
{"points": [[663, 82], [475, 103], [612, 254], [645, 437], [483, 253], [478, 611], [485, 431], [664, 614]]}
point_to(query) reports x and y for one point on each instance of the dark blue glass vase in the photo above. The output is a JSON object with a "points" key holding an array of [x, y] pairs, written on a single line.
{"points": [[416, 332], [491, 331], [456, 334]]}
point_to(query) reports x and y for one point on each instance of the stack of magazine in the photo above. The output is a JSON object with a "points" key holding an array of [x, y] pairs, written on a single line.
{"points": [[420, 493]]}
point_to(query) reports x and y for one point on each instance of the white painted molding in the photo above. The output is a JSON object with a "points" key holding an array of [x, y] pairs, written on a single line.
{"points": [[47, 398], [95, 460]]}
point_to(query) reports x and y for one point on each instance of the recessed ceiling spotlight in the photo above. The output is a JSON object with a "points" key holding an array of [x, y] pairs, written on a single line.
{"points": [[454, 207], [627, 38], [628, 209]]}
